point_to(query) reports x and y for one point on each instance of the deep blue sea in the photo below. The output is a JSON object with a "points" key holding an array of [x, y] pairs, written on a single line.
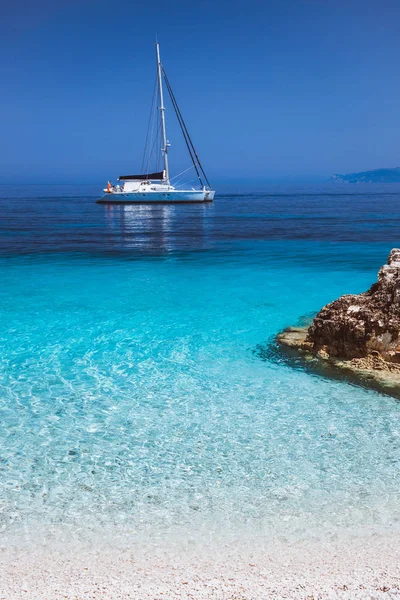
{"points": [[138, 395]]}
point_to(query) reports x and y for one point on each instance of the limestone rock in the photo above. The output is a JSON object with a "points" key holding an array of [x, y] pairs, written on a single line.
{"points": [[357, 326]]}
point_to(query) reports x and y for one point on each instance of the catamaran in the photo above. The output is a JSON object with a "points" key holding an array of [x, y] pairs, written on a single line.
{"points": [[157, 186]]}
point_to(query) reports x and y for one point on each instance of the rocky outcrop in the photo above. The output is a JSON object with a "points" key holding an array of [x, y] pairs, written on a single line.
{"points": [[358, 334], [355, 326]]}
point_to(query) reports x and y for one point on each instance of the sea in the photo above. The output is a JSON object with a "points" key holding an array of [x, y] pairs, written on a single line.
{"points": [[142, 398]]}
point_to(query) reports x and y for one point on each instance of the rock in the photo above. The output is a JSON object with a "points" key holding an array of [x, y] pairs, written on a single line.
{"points": [[357, 336], [356, 326]]}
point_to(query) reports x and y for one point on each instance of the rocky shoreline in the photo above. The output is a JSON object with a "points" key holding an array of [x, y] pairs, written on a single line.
{"points": [[356, 336]]}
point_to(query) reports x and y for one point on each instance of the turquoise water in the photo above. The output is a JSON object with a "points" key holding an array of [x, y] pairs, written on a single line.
{"points": [[133, 398]]}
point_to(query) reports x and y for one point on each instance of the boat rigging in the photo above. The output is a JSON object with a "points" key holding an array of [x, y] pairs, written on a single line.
{"points": [[156, 186]]}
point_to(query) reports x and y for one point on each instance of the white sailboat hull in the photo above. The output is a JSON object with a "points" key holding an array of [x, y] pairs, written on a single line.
{"points": [[144, 197]]}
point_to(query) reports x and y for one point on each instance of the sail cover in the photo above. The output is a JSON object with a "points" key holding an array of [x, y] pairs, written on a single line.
{"points": [[157, 176]]}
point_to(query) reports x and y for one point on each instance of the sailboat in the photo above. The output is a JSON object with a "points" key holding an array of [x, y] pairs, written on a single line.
{"points": [[157, 187]]}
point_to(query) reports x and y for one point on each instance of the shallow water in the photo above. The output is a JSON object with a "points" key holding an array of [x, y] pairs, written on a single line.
{"points": [[133, 399]]}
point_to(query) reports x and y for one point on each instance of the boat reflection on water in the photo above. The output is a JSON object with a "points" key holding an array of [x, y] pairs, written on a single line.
{"points": [[159, 228]]}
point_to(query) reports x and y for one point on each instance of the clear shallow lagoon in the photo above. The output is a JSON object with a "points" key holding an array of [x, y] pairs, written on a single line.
{"points": [[132, 397]]}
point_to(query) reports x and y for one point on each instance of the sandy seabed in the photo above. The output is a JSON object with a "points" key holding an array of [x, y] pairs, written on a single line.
{"points": [[350, 569]]}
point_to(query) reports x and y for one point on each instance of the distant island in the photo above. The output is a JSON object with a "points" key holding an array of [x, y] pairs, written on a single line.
{"points": [[375, 176]]}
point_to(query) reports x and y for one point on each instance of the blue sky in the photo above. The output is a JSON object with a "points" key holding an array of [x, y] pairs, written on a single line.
{"points": [[269, 89]]}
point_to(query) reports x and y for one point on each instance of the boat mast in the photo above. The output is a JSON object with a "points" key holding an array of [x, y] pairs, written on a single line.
{"points": [[162, 111]]}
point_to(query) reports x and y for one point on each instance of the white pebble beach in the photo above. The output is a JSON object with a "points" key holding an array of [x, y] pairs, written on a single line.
{"points": [[356, 568]]}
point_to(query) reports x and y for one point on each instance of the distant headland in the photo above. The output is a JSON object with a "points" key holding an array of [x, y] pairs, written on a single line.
{"points": [[375, 176]]}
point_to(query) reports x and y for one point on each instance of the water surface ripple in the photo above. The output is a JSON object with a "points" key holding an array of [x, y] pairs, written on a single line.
{"points": [[131, 398]]}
